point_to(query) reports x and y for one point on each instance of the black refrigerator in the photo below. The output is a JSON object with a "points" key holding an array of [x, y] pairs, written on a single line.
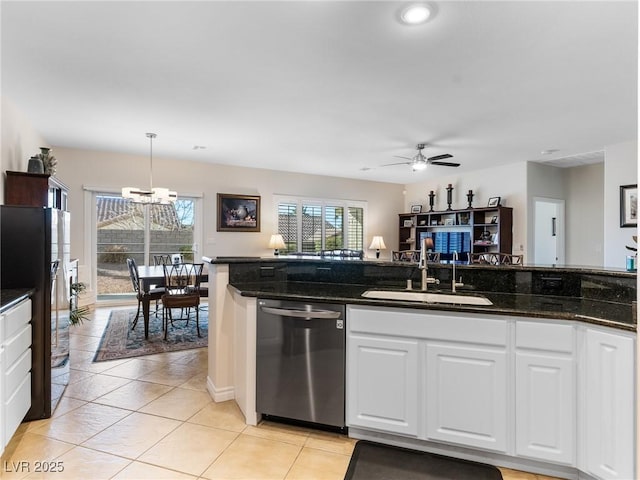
{"points": [[35, 253]]}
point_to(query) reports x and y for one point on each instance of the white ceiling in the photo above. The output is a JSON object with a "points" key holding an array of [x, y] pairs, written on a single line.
{"points": [[326, 87]]}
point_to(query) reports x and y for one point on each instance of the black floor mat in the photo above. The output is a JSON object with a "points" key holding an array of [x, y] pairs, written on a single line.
{"points": [[374, 461]]}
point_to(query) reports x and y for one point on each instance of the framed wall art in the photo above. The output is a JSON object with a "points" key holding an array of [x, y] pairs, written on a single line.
{"points": [[629, 205], [238, 213]]}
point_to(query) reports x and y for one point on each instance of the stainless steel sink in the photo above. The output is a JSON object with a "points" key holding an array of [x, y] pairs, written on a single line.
{"points": [[427, 297]]}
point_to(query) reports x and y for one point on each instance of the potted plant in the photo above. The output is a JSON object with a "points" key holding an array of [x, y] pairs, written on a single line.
{"points": [[77, 314]]}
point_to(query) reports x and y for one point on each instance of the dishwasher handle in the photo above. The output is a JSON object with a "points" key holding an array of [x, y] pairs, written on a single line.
{"points": [[311, 314]]}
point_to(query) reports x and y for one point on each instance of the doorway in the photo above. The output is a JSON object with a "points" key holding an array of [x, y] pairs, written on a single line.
{"points": [[548, 227]]}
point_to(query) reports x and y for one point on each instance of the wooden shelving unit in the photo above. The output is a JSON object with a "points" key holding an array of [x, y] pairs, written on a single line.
{"points": [[477, 230]]}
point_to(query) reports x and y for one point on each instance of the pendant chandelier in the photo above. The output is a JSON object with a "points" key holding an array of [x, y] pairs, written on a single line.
{"points": [[153, 195]]}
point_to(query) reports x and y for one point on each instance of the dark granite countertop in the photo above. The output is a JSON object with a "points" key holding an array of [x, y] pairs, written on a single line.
{"points": [[606, 313], [463, 266], [11, 296]]}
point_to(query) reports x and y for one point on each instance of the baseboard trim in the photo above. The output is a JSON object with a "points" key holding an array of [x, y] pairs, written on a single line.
{"points": [[220, 394]]}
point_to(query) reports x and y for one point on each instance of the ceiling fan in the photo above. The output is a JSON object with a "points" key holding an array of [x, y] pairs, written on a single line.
{"points": [[420, 162]]}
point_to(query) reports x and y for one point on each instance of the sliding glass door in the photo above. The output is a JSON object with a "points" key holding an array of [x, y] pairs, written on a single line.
{"points": [[124, 229]]}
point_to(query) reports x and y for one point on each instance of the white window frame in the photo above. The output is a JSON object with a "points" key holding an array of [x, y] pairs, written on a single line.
{"points": [[301, 201]]}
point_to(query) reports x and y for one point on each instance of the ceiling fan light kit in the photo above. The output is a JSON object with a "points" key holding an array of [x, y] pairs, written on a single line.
{"points": [[420, 162]]}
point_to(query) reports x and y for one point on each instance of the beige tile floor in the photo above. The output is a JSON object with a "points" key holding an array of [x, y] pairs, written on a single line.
{"points": [[152, 418]]}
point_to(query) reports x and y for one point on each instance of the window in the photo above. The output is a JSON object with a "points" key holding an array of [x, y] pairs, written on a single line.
{"points": [[312, 225]]}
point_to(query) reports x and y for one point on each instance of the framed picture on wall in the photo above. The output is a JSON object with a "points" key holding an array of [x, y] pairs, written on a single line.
{"points": [[629, 205], [238, 213]]}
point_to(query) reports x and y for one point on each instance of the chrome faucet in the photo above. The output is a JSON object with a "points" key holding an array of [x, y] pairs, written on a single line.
{"points": [[422, 265], [455, 284]]}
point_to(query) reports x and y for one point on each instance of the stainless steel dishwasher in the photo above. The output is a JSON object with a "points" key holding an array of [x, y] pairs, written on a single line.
{"points": [[301, 361]]}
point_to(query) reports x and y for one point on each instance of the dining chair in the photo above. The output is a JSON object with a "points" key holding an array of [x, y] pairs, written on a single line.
{"points": [[161, 259], [182, 284], [154, 293]]}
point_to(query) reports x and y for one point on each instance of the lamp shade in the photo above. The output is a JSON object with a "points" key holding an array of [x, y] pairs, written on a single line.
{"points": [[377, 243], [428, 243], [276, 241]]}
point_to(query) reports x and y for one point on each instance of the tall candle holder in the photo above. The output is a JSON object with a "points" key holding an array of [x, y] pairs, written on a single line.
{"points": [[449, 196], [470, 198], [432, 196]]}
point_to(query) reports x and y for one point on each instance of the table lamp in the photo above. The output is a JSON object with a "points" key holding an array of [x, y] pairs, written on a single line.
{"points": [[276, 243], [378, 244]]}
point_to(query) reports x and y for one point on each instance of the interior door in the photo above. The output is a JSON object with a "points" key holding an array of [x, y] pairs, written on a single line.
{"points": [[548, 240]]}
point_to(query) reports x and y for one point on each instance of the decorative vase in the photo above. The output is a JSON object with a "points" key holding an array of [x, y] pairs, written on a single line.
{"points": [[35, 165], [48, 161], [449, 196]]}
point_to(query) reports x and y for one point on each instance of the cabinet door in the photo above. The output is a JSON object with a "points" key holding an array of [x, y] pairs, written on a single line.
{"points": [[545, 412], [466, 395], [609, 404], [382, 380]]}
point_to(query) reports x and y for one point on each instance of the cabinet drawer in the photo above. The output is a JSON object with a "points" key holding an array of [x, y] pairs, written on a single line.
{"points": [[14, 375], [16, 407], [537, 335], [16, 346], [16, 318]]}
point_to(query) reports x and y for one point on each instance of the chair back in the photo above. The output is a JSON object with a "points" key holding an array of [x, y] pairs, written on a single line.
{"points": [[133, 274], [162, 259], [343, 253], [183, 278]]}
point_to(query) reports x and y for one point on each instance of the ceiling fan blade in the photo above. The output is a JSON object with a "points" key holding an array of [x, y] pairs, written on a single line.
{"points": [[440, 157], [406, 158], [445, 164], [399, 163]]}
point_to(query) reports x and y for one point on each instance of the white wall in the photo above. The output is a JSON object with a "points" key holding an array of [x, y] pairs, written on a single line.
{"points": [[80, 168], [620, 168], [19, 141], [585, 215], [506, 181]]}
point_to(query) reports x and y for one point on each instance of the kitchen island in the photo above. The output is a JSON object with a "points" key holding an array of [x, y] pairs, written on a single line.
{"points": [[556, 343]]}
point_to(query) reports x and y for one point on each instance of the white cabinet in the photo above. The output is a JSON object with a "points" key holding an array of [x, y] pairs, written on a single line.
{"points": [[436, 376], [553, 391], [545, 391], [383, 391], [608, 399], [466, 395], [15, 368]]}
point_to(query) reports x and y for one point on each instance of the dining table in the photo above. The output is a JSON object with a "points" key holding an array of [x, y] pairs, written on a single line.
{"points": [[149, 276]]}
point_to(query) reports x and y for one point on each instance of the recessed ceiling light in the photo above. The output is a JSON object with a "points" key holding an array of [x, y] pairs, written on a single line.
{"points": [[415, 14]]}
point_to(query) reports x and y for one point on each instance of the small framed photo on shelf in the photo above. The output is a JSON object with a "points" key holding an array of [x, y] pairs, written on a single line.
{"points": [[494, 202], [416, 208], [422, 223], [494, 219], [629, 205], [449, 221], [407, 223]]}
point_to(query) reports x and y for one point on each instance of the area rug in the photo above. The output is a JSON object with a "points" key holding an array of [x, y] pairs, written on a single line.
{"points": [[374, 461], [119, 341]]}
